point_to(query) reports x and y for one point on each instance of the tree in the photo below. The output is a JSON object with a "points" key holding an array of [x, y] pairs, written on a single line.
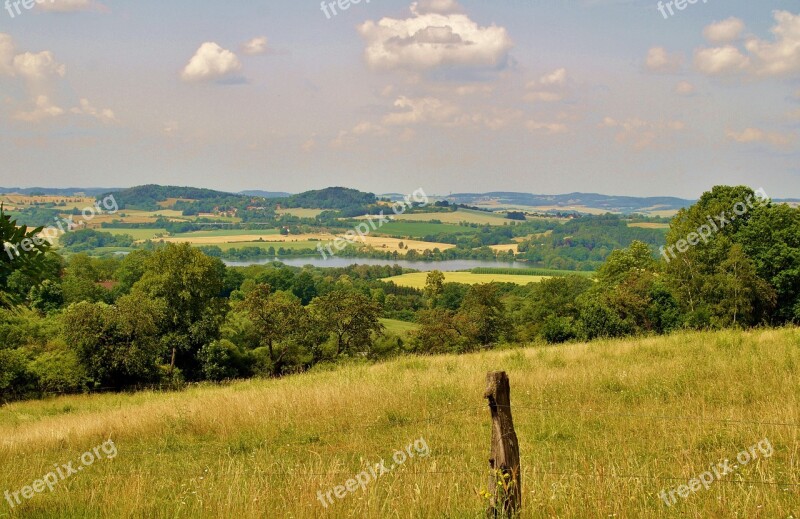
{"points": [[22, 251], [434, 286], [278, 318], [437, 332], [351, 317], [482, 316], [190, 285]]}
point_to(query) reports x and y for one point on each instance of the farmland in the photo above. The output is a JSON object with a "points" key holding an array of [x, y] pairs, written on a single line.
{"points": [[417, 279], [591, 420], [462, 215]]}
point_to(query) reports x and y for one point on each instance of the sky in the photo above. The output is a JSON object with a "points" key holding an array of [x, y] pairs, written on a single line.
{"points": [[624, 97]]}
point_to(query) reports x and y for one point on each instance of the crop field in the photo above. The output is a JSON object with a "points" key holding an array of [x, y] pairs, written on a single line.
{"points": [[71, 202], [287, 245], [513, 247], [603, 428], [417, 279], [649, 225], [227, 233], [137, 234]]}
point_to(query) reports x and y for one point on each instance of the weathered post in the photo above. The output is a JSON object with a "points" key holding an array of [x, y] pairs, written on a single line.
{"points": [[505, 479]]}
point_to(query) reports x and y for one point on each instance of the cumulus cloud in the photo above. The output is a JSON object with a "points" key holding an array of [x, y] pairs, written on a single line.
{"points": [[725, 31], [779, 57], [720, 60], [641, 134], [255, 47], [210, 63], [6, 54], [757, 135], [37, 67], [549, 88], [43, 109], [782, 56], [684, 88], [422, 110], [436, 35], [659, 60], [105, 115]]}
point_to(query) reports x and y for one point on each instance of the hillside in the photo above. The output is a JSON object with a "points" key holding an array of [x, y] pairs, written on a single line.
{"points": [[603, 428]]}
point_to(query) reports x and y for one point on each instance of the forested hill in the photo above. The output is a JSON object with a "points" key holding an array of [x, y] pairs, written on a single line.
{"points": [[148, 197], [331, 198]]}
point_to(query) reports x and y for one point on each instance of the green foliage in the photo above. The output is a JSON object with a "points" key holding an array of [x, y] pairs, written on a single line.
{"points": [[22, 252]]}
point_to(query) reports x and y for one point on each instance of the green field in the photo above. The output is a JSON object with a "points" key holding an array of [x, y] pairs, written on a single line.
{"points": [[602, 428], [421, 229], [462, 215], [511, 271], [401, 328], [417, 279]]}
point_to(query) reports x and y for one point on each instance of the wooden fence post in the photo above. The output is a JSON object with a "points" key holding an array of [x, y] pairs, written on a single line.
{"points": [[505, 479]]}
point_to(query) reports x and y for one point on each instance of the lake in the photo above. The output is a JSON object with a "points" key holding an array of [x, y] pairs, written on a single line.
{"points": [[444, 266]]}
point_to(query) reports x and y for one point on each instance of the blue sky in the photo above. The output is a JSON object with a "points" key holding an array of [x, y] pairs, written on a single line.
{"points": [[550, 96]]}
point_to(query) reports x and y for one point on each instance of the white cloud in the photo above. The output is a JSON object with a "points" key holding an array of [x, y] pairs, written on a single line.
{"points": [[720, 60], [37, 67], [557, 77], [546, 128], [43, 109], [422, 110], [659, 60], [641, 134], [549, 88], [6, 54], [725, 31], [684, 88], [211, 62], [781, 57], [433, 37], [255, 47], [757, 135], [105, 115]]}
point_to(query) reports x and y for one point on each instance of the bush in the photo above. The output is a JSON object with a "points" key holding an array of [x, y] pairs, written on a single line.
{"points": [[60, 371]]}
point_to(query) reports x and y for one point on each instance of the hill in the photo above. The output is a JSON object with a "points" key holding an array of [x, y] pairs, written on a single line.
{"points": [[603, 427]]}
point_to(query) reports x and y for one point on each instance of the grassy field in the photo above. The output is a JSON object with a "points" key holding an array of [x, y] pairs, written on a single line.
{"points": [[226, 233], [421, 229], [417, 279], [401, 328], [462, 215], [602, 428]]}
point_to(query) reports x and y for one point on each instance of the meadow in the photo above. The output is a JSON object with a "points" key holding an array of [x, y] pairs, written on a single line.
{"points": [[603, 428], [462, 215]]}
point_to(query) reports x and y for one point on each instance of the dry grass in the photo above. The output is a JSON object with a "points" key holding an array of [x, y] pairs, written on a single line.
{"points": [[589, 418], [462, 215], [418, 279], [649, 225]]}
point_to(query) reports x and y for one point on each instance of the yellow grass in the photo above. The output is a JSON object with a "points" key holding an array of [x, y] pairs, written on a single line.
{"points": [[649, 225], [602, 429], [247, 236], [393, 244], [417, 279], [513, 247]]}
